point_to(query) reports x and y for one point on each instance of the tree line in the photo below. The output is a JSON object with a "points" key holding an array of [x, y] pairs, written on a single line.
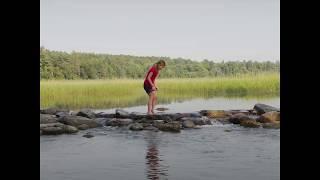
{"points": [[79, 65]]}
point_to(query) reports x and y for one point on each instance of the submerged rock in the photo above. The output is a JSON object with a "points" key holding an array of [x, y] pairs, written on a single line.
{"points": [[162, 109], [263, 108], [56, 128], [88, 135]]}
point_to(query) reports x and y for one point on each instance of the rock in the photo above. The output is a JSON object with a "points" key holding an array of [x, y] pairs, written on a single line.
{"points": [[162, 109], [269, 117], [238, 118], [42, 126], [250, 123], [157, 122], [52, 130], [86, 113], [40, 132], [83, 127], [120, 112], [61, 114], [217, 114], [119, 122], [151, 128], [223, 120], [70, 129], [48, 118], [171, 126], [56, 128], [78, 120], [227, 130], [198, 121], [263, 108], [188, 124], [52, 111], [275, 125], [105, 115], [135, 127], [197, 127], [102, 121], [88, 135]]}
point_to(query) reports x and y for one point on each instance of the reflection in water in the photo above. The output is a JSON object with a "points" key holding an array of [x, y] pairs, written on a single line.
{"points": [[154, 169]]}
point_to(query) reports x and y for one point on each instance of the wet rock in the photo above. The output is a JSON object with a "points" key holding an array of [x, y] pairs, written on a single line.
{"points": [[135, 127], [88, 135], [198, 121], [70, 129], [78, 120], [123, 113], [171, 126], [119, 122], [275, 125], [263, 108], [188, 124], [83, 127], [105, 115], [48, 118], [250, 124], [269, 117], [227, 130], [52, 111], [217, 114], [238, 118], [223, 120], [61, 114], [162, 109], [156, 123], [102, 121], [88, 113], [40, 132], [52, 128], [151, 128]]}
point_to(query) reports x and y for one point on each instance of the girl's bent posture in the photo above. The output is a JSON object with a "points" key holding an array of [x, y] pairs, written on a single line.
{"points": [[150, 85]]}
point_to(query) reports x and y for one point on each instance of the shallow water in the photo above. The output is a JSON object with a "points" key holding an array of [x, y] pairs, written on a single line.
{"points": [[207, 153]]}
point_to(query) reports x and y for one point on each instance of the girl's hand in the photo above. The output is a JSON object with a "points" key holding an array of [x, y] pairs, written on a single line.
{"points": [[154, 88]]}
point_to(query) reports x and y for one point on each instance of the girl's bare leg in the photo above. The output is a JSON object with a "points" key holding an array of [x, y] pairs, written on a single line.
{"points": [[151, 95], [154, 101]]}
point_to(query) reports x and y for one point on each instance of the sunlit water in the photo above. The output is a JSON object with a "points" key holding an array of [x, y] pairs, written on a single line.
{"points": [[207, 153]]}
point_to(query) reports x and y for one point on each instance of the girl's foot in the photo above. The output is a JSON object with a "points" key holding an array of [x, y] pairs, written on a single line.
{"points": [[152, 112], [149, 113]]}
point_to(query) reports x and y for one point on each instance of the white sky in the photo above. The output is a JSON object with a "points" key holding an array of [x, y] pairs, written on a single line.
{"points": [[195, 29]]}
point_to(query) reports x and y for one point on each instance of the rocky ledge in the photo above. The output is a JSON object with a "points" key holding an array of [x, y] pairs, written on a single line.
{"points": [[55, 121]]}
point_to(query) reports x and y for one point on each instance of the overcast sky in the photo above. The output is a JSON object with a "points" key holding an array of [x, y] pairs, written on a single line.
{"points": [[195, 29]]}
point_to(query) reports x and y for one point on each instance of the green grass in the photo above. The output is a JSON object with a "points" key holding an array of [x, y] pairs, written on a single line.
{"points": [[75, 94]]}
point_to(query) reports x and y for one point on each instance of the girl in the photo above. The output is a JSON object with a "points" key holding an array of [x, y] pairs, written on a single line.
{"points": [[150, 86]]}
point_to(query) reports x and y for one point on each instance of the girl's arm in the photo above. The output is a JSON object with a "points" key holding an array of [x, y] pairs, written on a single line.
{"points": [[155, 80], [149, 79]]}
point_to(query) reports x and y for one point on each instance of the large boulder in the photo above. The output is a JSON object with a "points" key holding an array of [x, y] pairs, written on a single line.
{"points": [[83, 127], [238, 118], [102, 121], [48, 118], [250, 123], [171, 126], [78, 120], [88, 113], [135, 127], [52, 111], [263, 108], [269, 117], [119, 122]]}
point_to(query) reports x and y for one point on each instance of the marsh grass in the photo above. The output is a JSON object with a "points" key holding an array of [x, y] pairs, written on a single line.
{"points": [[75, 94]]}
